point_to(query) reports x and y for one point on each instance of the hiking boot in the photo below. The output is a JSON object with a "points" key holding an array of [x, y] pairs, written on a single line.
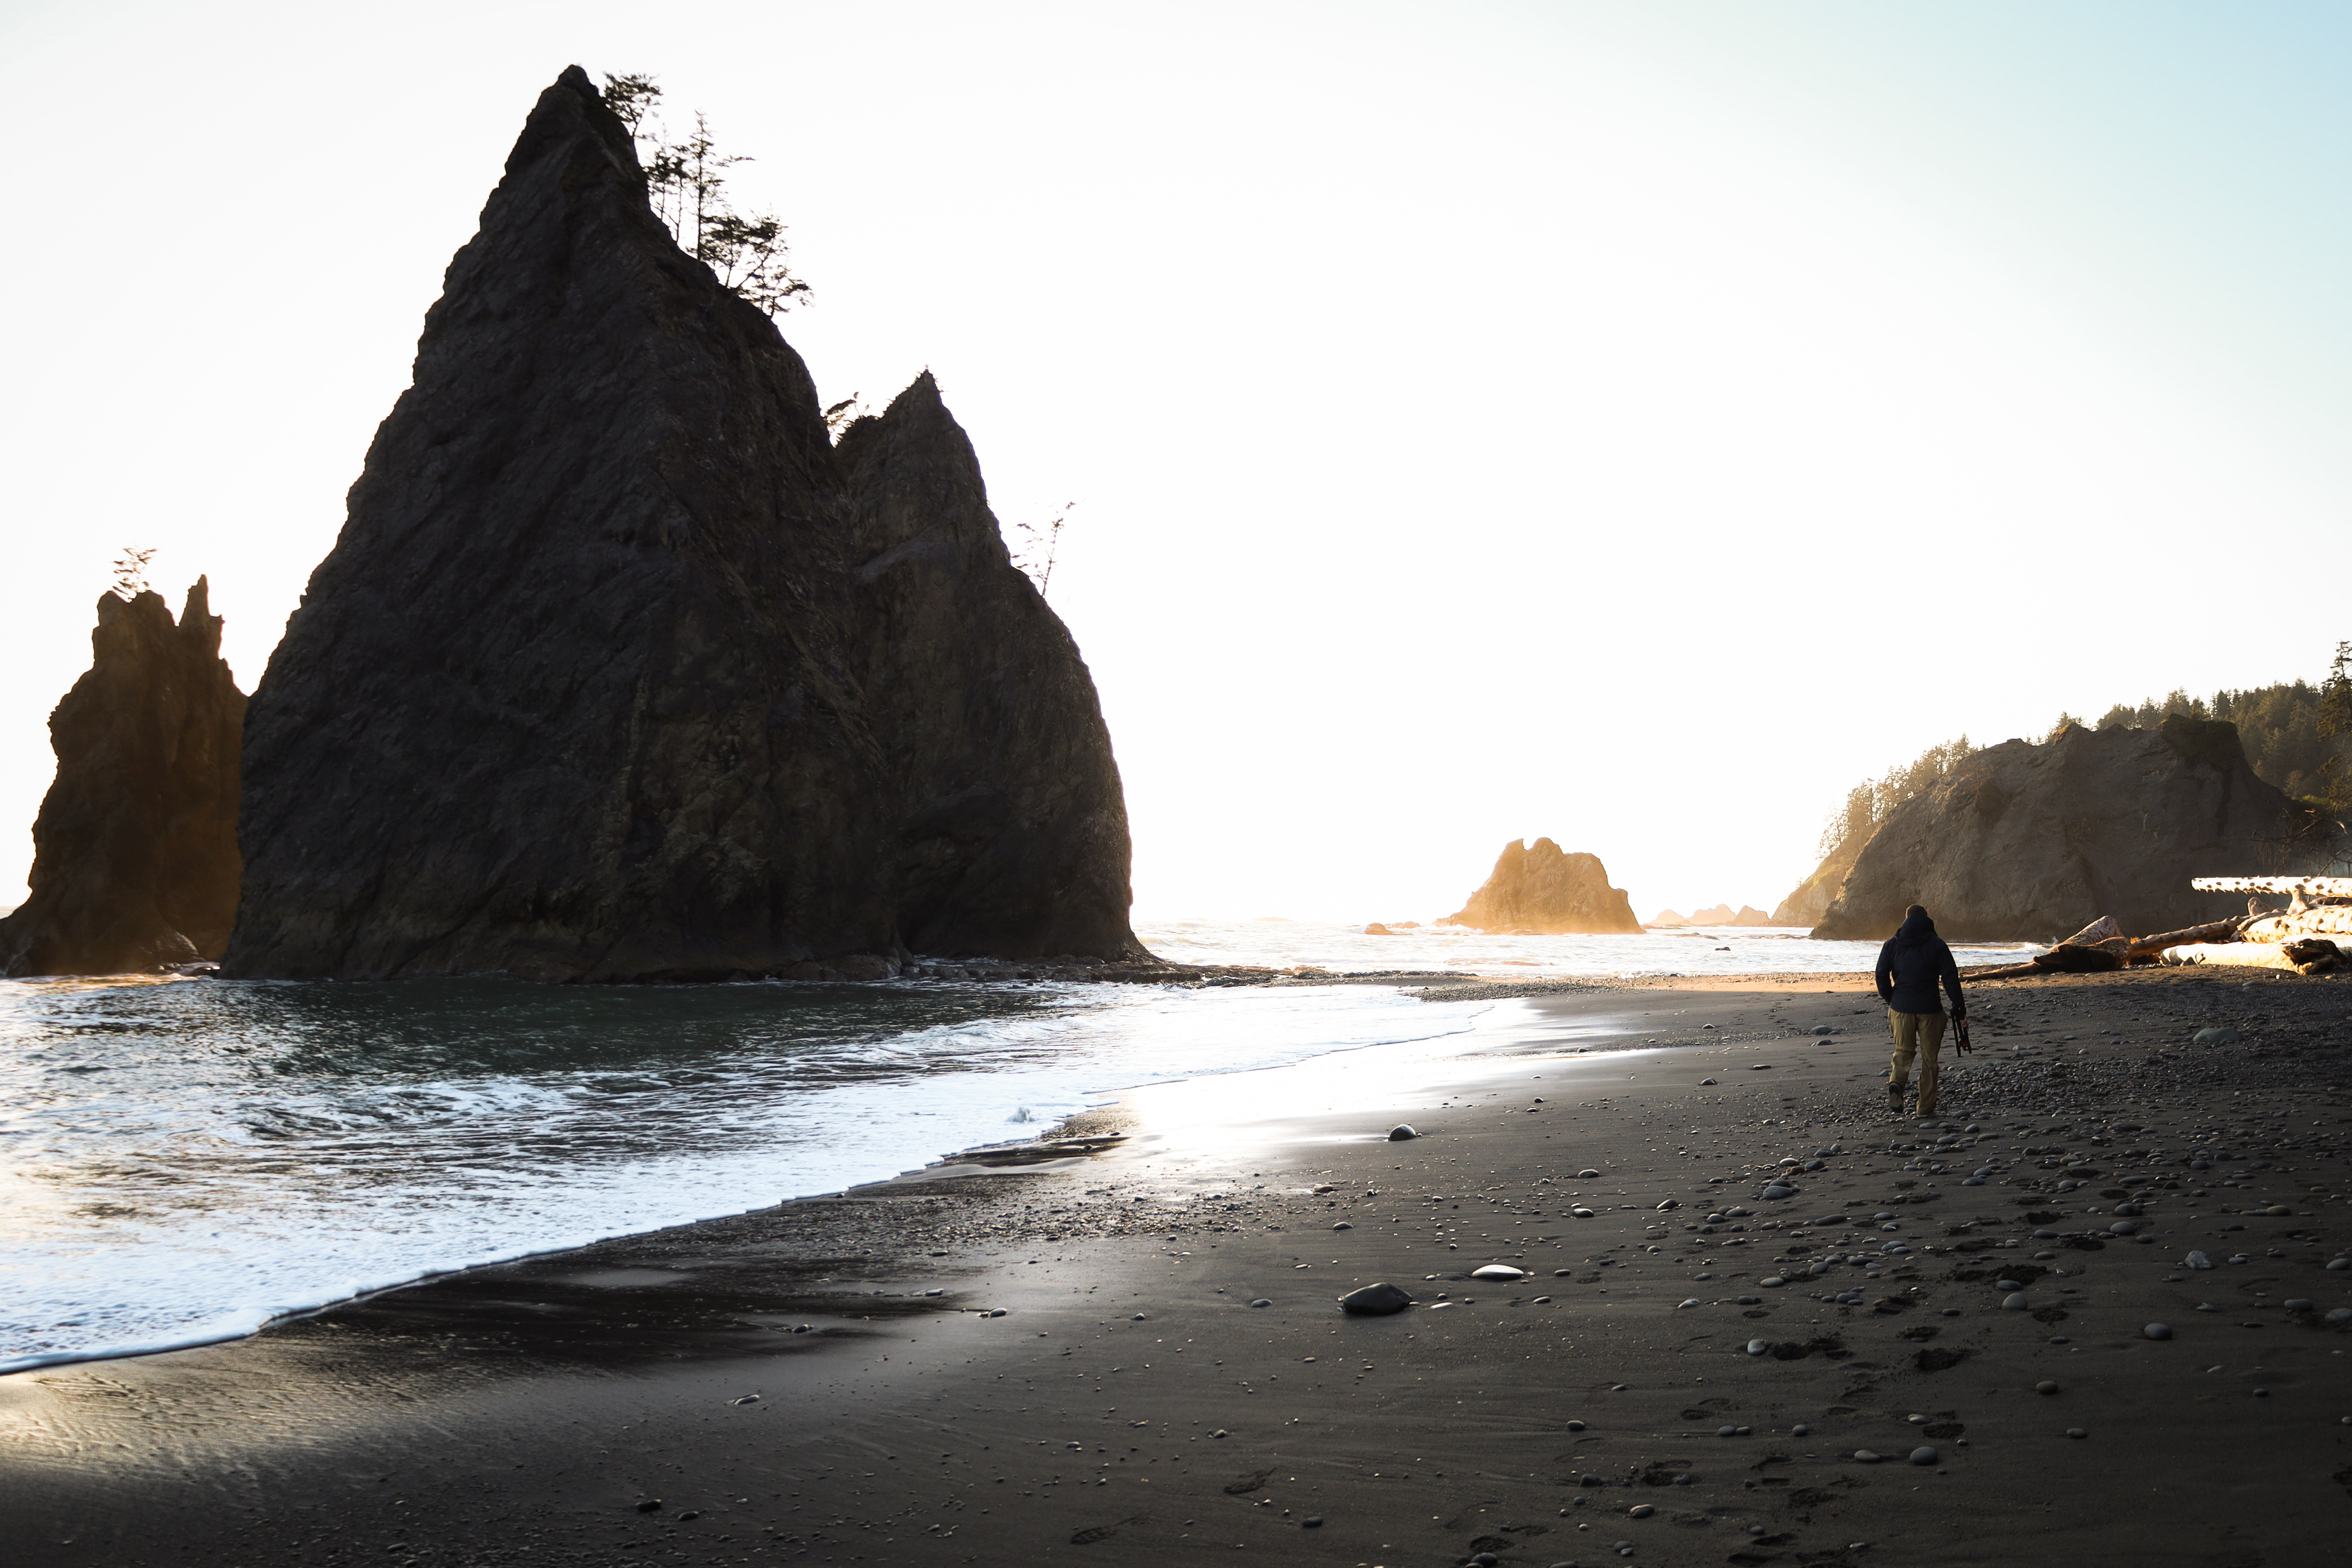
{"points": [[1894, 1098]]}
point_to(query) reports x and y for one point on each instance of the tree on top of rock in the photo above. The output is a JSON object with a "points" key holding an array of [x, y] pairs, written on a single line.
{"points": [[687, 183]]}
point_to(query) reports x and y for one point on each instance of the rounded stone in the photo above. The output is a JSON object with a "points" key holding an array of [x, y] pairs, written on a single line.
{"points": [[2298, 1305], [1864, 1456], [1498, 1271], [1641, 1510], [1587, 1176], [2045, 1386], [1727, 1431], [2076, 1432], [1261, 1302], [1772, 1281], [2157, 1331], [1758, 1346], [1925, 1455], [2122, 1227], [1343, 1225], [1800, 1430], [1374, 1300], [1400, 1132], [1576, 1426], [2340, 1315], [2014, 1303]]}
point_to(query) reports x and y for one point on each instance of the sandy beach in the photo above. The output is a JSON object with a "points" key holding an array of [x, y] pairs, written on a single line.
{"points": [[1056, 1356]]}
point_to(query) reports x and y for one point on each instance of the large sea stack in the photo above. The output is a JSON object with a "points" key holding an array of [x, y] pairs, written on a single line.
{"points": [[1541, 890], [621, 670], [134, 852], [2026, 843]]}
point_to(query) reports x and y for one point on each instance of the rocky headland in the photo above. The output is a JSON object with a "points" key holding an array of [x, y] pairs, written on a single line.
{"points": [[2028, 843], [134, 852], [1540, 889], [621, 669]]}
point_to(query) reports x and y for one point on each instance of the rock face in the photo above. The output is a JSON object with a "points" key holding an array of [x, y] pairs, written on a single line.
{"points": [[2026, 843], [1812, 898], [134, 852], [621, 670], [1541, 889]]}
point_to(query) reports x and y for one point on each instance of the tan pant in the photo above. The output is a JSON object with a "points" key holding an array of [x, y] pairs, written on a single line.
{"points": [[1920, 1035]]}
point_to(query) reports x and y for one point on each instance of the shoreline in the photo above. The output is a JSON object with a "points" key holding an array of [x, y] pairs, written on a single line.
{"points": [[523, 1412]]}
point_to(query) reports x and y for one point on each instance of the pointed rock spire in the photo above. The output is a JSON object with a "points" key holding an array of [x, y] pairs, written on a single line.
{"points": [[134, 852], [593, 686]]}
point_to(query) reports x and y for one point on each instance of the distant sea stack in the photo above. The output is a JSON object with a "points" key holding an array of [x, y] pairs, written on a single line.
{"points": [[621, 670], [1541, 890], [2026, 843], [134, 852]]}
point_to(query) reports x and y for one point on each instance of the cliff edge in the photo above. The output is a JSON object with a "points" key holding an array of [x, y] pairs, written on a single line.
{"points": [[134, 852]]}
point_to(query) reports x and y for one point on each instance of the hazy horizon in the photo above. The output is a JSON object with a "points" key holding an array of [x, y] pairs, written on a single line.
{"points": [[1629, 425]]}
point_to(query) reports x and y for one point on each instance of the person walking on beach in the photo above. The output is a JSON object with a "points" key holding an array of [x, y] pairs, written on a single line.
{"points": [[1909, 968]]}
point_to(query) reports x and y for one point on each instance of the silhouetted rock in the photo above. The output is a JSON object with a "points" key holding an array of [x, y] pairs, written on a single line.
{"points": [[620, 670], [1541, 889], [2029, 842], [1749, 915], [1666, 919], [134, 852]]}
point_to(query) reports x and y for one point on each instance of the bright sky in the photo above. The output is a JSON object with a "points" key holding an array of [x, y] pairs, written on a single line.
{"points": [[1625, 422]]}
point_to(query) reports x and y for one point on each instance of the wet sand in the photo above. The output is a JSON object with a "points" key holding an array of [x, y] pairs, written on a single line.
{"points": [[1131, 1405]]}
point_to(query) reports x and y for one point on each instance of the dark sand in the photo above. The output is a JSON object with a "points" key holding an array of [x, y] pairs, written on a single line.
{"points": [[534, 1414]]}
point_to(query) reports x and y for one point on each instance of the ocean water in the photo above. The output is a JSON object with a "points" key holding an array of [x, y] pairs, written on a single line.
{"points": [[1710, 950], [183, 1162]]}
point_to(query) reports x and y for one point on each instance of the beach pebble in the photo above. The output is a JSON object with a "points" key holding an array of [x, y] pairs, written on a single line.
{"points": [[1758, 1346], [1576, 1426], [2015, 1303], [1343, 1225], [1759, 1066], [747, 1399], [2122, 1227], [1587, 1176], [1561, 1273], [1773, 1281], [1690, 1301], [994, 1312], [2157, 1331], [1800, 1430], [1707, 1082], [1864, 1456], [1137, 1318], [1372, 1301], [2007, 1285], [1401, 1132], [2213, 1037], [1312, 1522], [1581, 1213], [2298, 1305], [1727, 1431], [1498, 1271], [2340, 1263], [1924, 1456], [1777, 1191], [2076, 1432], [2340, 1315], [2198, 1260], [1261, 1302], [1641, 1510], [1221, 1432], [1543, 1300]]}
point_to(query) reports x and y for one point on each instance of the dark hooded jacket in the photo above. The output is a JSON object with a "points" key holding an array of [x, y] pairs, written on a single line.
{"points": [[1911, 963]]}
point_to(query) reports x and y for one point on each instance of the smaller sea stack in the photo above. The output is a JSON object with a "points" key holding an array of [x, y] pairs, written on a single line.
{"points": [[1541, 890], [134, 853]]}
